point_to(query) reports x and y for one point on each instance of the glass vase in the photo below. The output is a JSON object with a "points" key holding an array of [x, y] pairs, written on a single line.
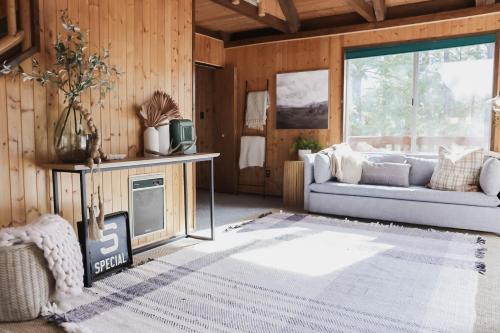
{"points": [[72, 137]]}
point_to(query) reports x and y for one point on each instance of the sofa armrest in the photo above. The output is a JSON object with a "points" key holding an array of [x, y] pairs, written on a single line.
{"points": [[308, 177]]}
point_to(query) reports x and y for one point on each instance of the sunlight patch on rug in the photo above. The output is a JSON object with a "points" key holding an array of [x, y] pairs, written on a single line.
{"points": [[333, 251]]}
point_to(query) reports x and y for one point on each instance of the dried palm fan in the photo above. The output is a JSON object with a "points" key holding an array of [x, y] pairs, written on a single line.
{"points": [[159, 109]]}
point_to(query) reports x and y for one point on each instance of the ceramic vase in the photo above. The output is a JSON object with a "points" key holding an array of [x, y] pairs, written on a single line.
{"points": [[302, 153], [164, 137], [151, 141]]}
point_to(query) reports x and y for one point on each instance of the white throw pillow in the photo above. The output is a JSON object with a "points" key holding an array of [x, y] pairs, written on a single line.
{"points": [[490, 177], [322, 172]]}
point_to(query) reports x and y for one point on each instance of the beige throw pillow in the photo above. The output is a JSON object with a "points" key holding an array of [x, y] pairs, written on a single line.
{"points": [[457, 170], [345, 164]]}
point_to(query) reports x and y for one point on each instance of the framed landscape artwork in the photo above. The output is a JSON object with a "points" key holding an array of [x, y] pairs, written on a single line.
{"points": [[302, 100]]}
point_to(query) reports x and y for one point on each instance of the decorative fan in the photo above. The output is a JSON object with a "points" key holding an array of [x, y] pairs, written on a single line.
{"points": [[160, 109]]}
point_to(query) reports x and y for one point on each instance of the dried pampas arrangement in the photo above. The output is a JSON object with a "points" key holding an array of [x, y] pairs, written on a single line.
{"points": [[158, 110]]}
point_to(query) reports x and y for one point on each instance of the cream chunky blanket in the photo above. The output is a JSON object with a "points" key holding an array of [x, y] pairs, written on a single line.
{"points": [[57, 239]]}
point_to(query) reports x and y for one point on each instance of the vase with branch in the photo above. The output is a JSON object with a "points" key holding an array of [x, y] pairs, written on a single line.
{"points": [[75, 71], [155, 115]]}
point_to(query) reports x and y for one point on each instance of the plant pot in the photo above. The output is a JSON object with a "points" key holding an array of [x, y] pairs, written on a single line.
{"points": [[151, 141], [302, 153], [72, 137], [164, 138]]}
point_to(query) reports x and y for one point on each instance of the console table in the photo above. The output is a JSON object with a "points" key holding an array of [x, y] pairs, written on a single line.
{"points": [[82, 170]]}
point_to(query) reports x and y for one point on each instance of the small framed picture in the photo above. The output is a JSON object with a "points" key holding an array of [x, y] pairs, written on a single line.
{"points": [[113, 252]]}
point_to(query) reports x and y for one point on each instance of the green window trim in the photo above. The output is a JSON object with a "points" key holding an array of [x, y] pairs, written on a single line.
{"points": [[367, 52]]}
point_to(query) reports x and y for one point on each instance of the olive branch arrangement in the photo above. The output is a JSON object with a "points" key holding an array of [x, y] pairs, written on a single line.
{"points": [[74, 72]]}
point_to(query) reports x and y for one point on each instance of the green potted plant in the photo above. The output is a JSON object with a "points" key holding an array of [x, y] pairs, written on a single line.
{"points": [[305, 146]]}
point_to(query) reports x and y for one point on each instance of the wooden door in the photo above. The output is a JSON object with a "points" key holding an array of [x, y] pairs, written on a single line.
{"points": [[225, 131], [204, 96]]}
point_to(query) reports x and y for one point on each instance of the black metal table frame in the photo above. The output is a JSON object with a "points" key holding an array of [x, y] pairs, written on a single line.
{"points": [[83, 236]]}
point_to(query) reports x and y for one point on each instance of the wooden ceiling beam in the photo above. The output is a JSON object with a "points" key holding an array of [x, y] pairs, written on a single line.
{"points": [[209, 33], [480, 3], [380, 9], [251, 11], [363, 9], [292, 16], [387, 24]]}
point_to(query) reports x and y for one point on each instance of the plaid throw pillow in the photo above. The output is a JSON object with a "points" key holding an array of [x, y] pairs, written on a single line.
{"points": [[457, 170]]}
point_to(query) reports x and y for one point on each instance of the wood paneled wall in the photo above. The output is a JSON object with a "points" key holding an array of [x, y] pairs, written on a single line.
{"points": [[257, 63], [209, 51], [151, 41]]}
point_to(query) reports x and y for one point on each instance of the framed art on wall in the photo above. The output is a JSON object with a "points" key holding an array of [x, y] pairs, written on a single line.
{"points": [[302, 100]]}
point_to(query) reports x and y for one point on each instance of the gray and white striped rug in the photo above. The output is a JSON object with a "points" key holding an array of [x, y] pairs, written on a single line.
{"points": [[295, 273]]}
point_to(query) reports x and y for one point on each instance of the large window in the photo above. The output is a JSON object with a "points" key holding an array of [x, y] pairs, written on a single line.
{"points": [[416, 97]]}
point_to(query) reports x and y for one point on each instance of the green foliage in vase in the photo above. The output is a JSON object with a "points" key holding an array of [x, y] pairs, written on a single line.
{"points": [[75, 70], [301, 143]]}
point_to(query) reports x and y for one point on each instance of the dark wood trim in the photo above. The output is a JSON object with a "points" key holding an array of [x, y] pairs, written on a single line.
{"points": [[208, 32], [388, 23], [292, 17], [363, 9], [251, 11], [380, 9]]}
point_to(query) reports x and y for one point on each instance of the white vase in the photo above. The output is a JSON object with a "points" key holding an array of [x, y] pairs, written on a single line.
{"points": [[151, 141], [302, 153], [164, 137]]}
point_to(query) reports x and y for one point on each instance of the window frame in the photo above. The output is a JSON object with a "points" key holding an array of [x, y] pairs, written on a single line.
{"points": [[495, 80]]}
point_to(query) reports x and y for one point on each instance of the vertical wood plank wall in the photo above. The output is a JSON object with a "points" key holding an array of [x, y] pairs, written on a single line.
{"points": [[257, 63], [151, 41]]}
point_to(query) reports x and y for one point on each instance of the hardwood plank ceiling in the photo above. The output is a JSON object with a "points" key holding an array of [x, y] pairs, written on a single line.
{"points": [[240, 22]]}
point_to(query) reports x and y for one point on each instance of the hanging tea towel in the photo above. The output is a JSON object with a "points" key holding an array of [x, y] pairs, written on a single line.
{"points": [[257, 105], [252, 151]]}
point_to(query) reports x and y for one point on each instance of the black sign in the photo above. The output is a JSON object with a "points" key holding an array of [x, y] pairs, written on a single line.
{"points": [[113, 252]]}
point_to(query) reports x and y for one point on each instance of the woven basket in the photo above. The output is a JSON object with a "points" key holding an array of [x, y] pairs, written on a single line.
{"points": [[25, 282]]}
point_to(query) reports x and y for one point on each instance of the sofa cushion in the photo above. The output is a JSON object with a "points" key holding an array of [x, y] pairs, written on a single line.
{"points": [[457, 170], [490, 177], [322, 171], [391, 174], [413, 193], [421, 170], [386, 158]]}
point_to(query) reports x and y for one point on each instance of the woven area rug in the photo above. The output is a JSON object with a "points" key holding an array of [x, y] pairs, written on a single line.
{"points": [[295, 273]]}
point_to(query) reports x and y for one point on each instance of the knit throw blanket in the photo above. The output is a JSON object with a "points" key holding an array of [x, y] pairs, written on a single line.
{"points": [[57, 239]]}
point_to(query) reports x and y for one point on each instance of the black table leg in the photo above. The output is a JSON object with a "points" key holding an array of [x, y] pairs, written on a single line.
{"points": [[212, 205], [83, 235], [55, 191], [212, 201], [184, 177]]}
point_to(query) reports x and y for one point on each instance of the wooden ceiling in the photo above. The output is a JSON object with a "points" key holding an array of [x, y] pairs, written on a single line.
{"points": [[241, 22]]}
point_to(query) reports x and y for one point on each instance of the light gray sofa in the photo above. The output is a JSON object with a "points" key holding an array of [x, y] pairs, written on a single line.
{"points": [[415, 204]]}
